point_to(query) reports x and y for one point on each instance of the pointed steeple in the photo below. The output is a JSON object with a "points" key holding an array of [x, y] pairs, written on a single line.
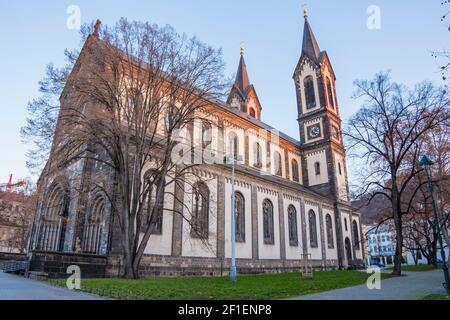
{"points": [[310, 45], [242, 81], [243, 95]]}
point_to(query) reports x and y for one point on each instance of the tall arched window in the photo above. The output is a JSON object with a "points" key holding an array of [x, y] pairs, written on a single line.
{"points": [[153, 206], [200, 211], [252, 113], [277, 164], [292, 224], [92, 232], [257, 155], [294, 166], [329, 226], [345, 224], [317, 168], [312, 229], [233, 145], [330, 93], [340, 168], [206, 134], [239, 205], [310, 96], [268, 227], [356, 234]]}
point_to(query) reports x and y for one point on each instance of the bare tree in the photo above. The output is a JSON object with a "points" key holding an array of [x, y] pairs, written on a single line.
{"points": [[43, 112], [132, 97], [16, 212], [386, 132], [419, 230]]}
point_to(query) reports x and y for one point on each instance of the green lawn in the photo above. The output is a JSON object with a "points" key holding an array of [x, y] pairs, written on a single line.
{"points": [[437, 297], [249, 287], [418, 268]]}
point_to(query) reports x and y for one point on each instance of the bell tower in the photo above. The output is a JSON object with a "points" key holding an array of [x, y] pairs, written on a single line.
{"points": [[319, 121]]}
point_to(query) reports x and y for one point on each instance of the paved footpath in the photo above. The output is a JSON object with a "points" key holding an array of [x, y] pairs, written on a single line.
{"points": [[18, 288], [411, 286]]}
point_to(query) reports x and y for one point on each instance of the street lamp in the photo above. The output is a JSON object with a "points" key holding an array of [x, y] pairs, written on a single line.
{"points": [[233, 271], [427, 163]]}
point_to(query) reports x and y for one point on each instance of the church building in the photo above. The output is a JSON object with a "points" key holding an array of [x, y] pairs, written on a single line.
{"points": [[293, 208]]}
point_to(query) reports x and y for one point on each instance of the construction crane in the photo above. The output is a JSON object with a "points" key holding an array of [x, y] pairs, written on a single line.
{"points": [[8, 187]]}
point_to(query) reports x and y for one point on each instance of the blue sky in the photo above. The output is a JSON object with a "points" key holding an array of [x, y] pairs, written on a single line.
{"points": [[34, 33]]}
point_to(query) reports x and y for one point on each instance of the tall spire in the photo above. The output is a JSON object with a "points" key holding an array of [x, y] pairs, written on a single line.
{"points": [[242, 81], [310, 45], [243, 95]]}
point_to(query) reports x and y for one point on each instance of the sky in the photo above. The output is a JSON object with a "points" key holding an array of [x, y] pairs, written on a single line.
{"points": [[34, 33]]}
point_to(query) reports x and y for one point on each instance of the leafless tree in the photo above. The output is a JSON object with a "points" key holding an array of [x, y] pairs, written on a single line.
{"points": [[386, 133], [17, 212], [132, 95], [39, 129]]}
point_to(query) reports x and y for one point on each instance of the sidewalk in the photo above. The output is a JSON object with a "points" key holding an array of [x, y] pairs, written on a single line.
{"points": [[411, 286], [18, 288]]}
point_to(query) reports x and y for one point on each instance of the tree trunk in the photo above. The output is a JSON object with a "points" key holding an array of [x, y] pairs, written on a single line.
{"points": [[398, 233]]}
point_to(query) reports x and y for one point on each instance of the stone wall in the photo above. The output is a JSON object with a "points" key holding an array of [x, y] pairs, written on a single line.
{"points": [[4, 256], [55, 264], [167, 266]]}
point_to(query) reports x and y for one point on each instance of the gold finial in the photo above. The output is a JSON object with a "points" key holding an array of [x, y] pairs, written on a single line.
{"points": [[305, 11], [242, 48]]}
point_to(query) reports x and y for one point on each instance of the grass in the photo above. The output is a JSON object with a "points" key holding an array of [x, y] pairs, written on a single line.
{"points": [[418, 268], [248, 287], [437, 297]]}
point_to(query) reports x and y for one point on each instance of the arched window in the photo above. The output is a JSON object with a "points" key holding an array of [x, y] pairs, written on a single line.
{"points": [[292, 224], [239, 206], [310, 96], [233, 145], [206, 134], [312, 229], [294, 166], [200, 211], [345, 224], [257, 155], [340, 168], [329, 226], [330, 93], [268, 228], [252, 113], [348, 250], [53, 224], [317, 168], [356, 234], [277, 163], [92, 232], [151, 185]]}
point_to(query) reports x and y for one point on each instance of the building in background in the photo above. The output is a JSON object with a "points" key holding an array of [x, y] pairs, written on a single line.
{"points": [[15, 220], [380, 244]]}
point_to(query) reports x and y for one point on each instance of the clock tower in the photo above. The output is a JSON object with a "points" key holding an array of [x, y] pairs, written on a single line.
{"points": [[323, 159]]}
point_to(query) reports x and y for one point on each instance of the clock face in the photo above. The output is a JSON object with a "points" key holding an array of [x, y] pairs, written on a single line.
{"points": [[314, 132]]}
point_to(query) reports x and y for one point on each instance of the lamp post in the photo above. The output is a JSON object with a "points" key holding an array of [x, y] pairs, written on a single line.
{"points": [[426, 163], [233, 270]]}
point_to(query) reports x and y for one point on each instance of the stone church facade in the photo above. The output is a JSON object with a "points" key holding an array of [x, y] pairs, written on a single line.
{"points": [[292, 197]]}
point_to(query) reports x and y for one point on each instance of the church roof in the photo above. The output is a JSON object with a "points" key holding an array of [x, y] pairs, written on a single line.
{"points": [[310, 45]]}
